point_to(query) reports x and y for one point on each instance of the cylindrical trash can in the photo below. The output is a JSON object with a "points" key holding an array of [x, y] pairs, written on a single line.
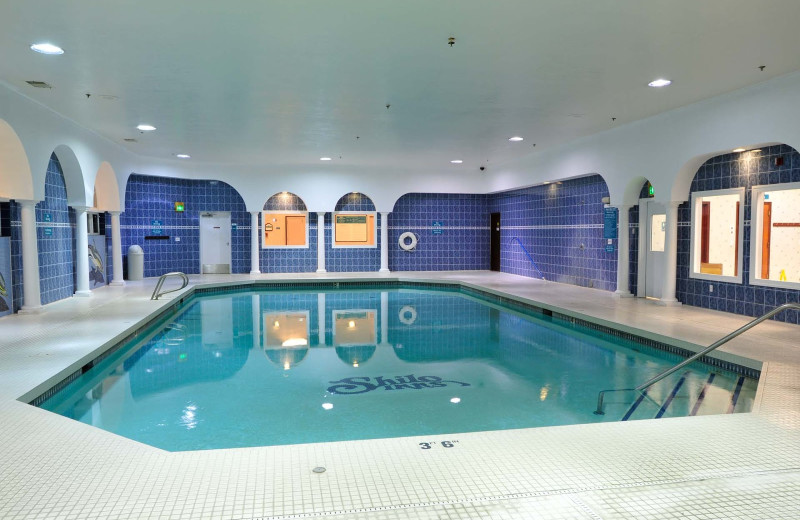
{"points": [[135, 263]]}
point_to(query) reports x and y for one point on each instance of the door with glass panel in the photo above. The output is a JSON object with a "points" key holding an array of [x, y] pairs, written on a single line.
{"points": [[655, 238]]}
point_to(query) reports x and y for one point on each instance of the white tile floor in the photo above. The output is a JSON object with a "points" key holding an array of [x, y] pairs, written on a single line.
{"points": [[732, 466]]}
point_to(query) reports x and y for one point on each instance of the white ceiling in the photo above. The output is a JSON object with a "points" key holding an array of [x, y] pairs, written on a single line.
{"points": [[289, 81]]}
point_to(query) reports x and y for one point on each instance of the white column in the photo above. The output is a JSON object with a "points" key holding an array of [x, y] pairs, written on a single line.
{"points": [[321, 242], [623, 253], [81, 252], [670, 255], [384, 243], [116, 249], [255, 262], [32, 299]]}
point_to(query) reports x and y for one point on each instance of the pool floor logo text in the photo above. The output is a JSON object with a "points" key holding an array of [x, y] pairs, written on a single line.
{"points": [[360, 385]]}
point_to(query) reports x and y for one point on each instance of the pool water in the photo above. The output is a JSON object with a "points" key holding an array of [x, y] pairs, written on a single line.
{"points": [[273, 367]]}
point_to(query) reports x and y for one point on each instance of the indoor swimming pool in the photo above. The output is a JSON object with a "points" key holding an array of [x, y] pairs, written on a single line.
{"points": [[270, 366]]}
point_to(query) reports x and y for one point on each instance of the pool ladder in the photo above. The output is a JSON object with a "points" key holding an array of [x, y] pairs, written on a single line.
{"points": [[741, 330], [158, 292]]}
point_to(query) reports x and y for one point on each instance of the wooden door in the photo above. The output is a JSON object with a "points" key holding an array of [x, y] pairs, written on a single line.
{"points": [[705, 231], [766, 238], [495, 241], [295, 230]]}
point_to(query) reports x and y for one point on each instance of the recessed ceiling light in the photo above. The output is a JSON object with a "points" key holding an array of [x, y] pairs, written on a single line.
{"points": [[756, 150], [146, 128], [515, 139], [47, 48], [456, 161], [739, 150], [659, 83], [183, 156], [324, 158]]}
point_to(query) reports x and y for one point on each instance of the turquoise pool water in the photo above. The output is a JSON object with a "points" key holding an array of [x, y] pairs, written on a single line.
{"points": [[271, 367]]}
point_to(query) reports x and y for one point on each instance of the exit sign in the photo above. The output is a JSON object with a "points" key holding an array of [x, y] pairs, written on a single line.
{"points": [[651, 190], [179, 206]]}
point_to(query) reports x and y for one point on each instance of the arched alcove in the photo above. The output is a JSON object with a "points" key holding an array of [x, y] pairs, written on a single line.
{"points": [[16, 181], [285, 201], [106, 189], [73, 175]]}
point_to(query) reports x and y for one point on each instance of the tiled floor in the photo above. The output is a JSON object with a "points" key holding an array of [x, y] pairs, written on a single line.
{"points": [[731, 466]]}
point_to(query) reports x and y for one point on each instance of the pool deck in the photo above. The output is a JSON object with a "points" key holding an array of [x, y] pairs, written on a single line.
{"points": [[725, 466]]}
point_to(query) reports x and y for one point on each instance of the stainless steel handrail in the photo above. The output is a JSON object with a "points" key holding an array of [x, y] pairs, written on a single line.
{"points": [[157, 291], [713, 346]]}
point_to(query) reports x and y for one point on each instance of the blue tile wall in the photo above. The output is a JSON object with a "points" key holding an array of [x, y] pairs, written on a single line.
{"points": [[350, 259], [152, 198], [55, 238], [300, 260], [461, 243], [561, 226], [16, 254], [736, 170], [285, 202]]}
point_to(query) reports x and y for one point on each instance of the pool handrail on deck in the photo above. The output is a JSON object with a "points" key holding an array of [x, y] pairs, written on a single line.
{"points": [[713, 346]]}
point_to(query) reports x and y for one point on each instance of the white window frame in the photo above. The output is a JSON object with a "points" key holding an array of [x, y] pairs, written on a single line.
{"points": [[266, 212], [696, 228], [354, 246], [93, 223], [756, 232]]}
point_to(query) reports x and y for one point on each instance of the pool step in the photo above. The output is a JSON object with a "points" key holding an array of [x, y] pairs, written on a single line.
{"points": [[683, 399]]}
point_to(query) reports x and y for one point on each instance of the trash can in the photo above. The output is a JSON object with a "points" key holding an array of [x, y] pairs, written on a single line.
{"points": [[135, 263]]}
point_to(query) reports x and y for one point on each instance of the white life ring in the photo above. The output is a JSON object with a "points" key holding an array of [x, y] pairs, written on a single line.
{"points": [[402, 241], [407, 315]]}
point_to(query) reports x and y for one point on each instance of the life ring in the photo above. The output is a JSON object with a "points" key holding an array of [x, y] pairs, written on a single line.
{"points": [[407, 246], [407, 315]]}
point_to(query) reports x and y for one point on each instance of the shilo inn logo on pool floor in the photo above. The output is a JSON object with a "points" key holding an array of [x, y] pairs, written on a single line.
{"points": [[360, 385]]}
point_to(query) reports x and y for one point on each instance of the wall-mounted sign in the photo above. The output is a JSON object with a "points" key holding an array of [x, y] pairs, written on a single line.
{"points": [[610, 223], [47, 217], [179, 206], [437, 227], [234, 226], [6, 294], [155, 227], [48, 231]]}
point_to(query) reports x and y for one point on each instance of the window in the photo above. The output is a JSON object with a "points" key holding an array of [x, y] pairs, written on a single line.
{"points": [[92, 223], [286, 229], [716, 240], [775, 228], [354, 229]]}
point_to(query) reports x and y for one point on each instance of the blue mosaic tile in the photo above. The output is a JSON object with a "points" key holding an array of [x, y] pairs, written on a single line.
{"points": [[152, 198], [734, 170]]}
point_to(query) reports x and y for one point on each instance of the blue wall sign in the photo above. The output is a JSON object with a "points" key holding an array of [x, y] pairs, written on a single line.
{"points": [[47, 217], [437, 227], [155, 227], [48, 231], [234, 226], [610, 223]]}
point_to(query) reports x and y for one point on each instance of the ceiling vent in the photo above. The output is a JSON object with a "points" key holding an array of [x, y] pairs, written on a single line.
{"points": [[39, 84], [130, 140]]}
